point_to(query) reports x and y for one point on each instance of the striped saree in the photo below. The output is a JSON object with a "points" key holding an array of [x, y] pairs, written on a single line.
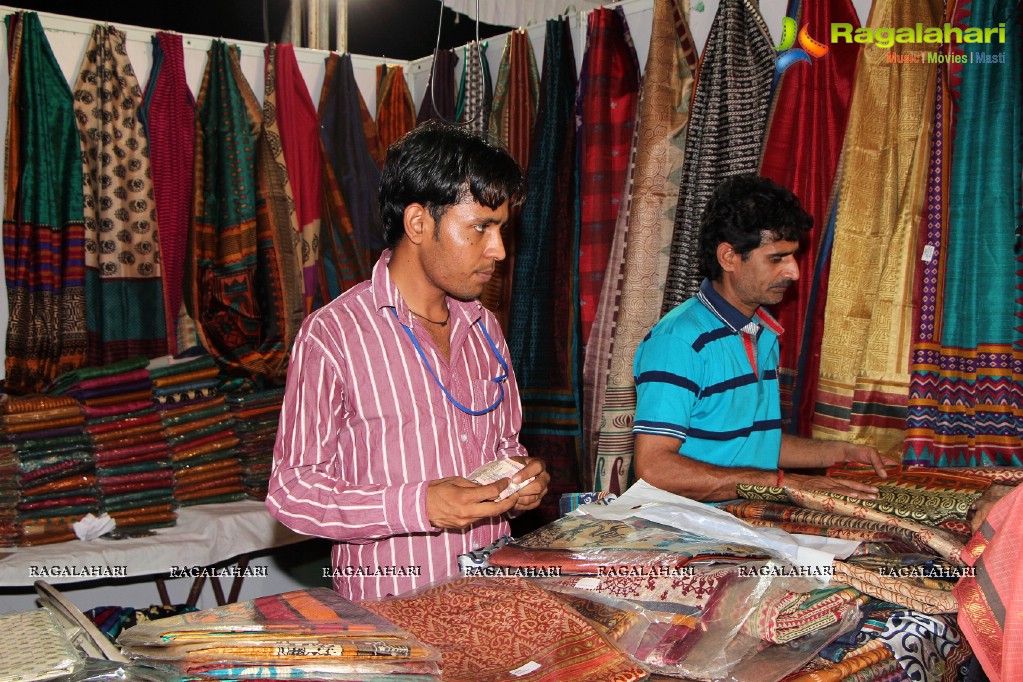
{"points": [[123, 278], [864, 375], [544, 340], [662, 124], [726, 129], [43, 220], [169, 117], [476, 92], [396, 112], [516, 97], [807, 124], [241, 284], [352, 179], [967, 389]]}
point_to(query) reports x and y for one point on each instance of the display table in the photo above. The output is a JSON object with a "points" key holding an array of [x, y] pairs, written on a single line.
{"points": [[205, 535]]}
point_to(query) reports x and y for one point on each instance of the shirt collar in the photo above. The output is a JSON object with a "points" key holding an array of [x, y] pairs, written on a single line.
{"points": [[386, 295], [731, 316]]}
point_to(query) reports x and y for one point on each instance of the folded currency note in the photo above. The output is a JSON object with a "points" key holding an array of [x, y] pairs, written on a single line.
{"points": [[492, 472]]}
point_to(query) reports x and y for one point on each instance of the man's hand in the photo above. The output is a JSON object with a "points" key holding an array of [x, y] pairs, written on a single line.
{"points": [[458, 503], [530, 496], [863, 454], [831, 485], [986, 502]]}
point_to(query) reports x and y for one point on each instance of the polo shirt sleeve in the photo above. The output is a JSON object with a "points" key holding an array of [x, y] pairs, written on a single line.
{"points": [[668, 378]]}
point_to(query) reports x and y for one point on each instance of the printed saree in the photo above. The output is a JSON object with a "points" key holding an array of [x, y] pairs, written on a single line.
{"points": [[43, 217], [123, 277], [661, 131], [864, 377], [481, 627], [241, 273], [726, 129]]}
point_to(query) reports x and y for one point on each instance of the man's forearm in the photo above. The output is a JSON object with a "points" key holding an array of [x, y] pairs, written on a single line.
{"points": [[807, 453], [660, 465]]}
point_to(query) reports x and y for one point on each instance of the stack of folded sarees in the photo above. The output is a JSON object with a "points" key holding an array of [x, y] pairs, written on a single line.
{"points": [[305, 634], [133, 470], [200, 432], [256, 417], [52, 482]]}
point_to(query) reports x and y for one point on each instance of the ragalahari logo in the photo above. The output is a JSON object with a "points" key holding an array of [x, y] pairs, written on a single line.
{"points": [[808, 47]]}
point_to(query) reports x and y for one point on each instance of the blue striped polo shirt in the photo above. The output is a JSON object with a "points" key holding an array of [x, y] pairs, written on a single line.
{"points": [[695, 381]]}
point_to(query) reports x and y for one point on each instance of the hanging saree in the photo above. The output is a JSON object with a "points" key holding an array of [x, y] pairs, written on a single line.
{"points": [[511, 125], [806, 127], [604, 95], [544, 340], [864, 377], [396, 112], [967, 388], [168, 112], [439, 99], [661, 132], [123, 278], [352, 179], [241, 282], [726, 129], [295, 118], [43, 219], [608, 95], [475, 92]]}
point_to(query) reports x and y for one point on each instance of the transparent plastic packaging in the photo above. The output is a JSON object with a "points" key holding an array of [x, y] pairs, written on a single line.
{"points": [[33, 646], [725, 640]]}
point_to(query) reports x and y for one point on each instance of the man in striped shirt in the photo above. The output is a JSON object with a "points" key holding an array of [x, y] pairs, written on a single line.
{"points": [[401, 386], [708, 412]]}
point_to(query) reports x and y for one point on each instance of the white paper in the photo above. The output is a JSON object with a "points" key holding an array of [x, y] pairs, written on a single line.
{"points": [[92, 527]]}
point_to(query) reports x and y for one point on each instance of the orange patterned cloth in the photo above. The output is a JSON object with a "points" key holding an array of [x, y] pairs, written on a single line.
{"points": [[490, 630], [990, 602]]}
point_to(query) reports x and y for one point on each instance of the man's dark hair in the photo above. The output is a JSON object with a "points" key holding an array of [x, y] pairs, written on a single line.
{"points": [[741, 209], [439, 166]]}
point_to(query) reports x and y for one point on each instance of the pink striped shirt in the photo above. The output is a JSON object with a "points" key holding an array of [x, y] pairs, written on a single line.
{"points": [[365, 428]]}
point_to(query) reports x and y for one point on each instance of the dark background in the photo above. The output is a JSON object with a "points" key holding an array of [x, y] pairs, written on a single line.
{"points": [[399, 29]]}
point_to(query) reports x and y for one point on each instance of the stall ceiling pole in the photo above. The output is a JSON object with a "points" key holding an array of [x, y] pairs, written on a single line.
{"points": [[342, 26]]}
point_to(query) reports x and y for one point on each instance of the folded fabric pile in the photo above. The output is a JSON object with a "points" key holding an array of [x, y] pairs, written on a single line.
{"points": [[305, 634], [586, 546], [782, 616], [54, 480], [133, 470], [891, 643], [500, 629], [199, 432], [256, 417]]}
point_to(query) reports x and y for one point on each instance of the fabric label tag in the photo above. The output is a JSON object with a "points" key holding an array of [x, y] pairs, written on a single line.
{"points": [[588, 583], [525, 669], [928, 254]]}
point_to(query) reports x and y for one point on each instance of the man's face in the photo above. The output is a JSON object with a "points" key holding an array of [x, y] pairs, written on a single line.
{"points": [[459, 254], [763, 276]]}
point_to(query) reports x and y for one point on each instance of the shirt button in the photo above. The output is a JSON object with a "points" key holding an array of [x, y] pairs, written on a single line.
{"points": [[464, 437]]}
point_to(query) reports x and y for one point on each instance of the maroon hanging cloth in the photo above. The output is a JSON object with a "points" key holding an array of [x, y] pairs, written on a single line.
{"points": [[608, 96], [804, 140]]}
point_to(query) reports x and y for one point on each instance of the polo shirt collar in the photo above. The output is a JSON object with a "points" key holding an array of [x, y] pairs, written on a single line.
{"points": [[731, 316]]}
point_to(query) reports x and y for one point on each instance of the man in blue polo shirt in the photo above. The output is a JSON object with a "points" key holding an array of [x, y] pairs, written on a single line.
{"points": [[708, 414]]}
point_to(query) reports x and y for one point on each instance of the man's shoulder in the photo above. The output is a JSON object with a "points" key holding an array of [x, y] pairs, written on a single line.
{"points": [[687, 323], [345, 311]]}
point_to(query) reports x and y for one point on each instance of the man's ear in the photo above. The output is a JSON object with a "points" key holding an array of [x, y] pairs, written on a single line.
{"points": [[727, 257], [418, 222]]}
